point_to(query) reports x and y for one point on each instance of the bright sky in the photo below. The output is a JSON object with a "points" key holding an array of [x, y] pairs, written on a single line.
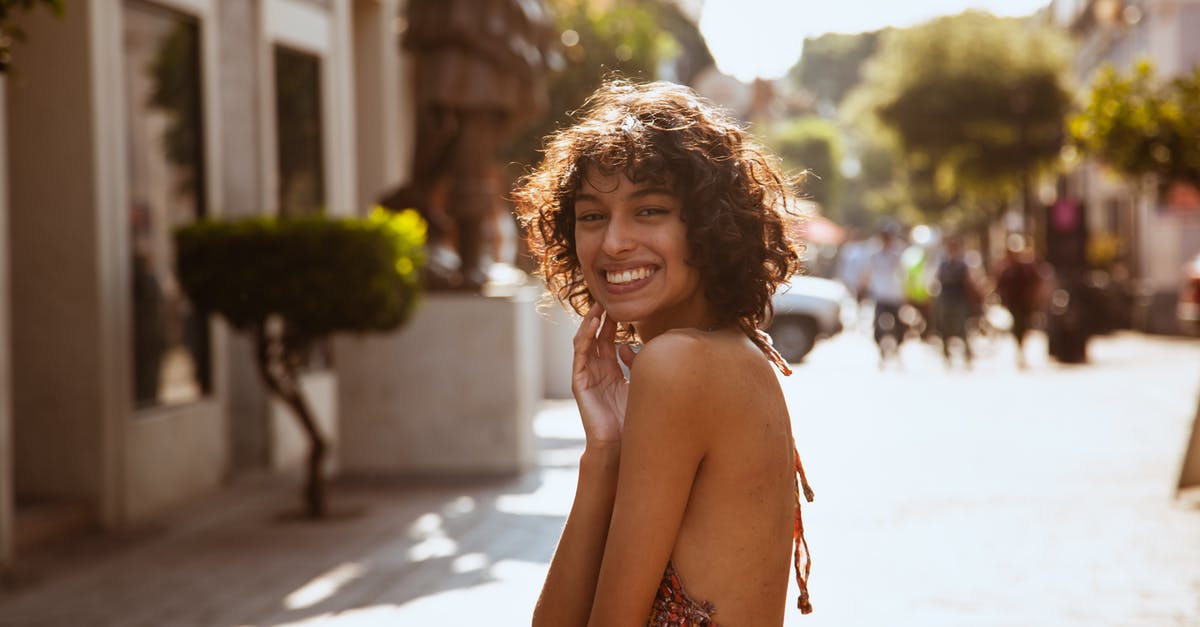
{"points": [[764, 38]]}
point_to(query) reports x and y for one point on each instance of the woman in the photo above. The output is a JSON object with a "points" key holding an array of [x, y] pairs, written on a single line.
{"points": [[656, 219]]}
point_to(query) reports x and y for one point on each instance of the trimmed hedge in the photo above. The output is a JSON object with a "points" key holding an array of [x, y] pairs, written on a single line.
{"points": [[319, 275]]}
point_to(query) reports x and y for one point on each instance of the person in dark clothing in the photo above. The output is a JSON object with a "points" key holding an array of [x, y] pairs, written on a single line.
{"points": [[1017, 282], [955, 296]]}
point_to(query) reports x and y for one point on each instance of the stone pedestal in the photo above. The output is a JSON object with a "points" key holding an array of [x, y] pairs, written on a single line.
{"points": [[451, 393]]}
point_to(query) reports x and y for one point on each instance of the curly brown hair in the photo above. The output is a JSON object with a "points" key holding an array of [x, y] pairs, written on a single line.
{"points": [[736, 201]]}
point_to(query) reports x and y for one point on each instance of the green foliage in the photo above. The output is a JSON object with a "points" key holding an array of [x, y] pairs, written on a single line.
{"points": [[319, 275], [1140, 125], [976, 102], [832, 64], [813, 144], [9, 32], [619, 36], [175, 76]]}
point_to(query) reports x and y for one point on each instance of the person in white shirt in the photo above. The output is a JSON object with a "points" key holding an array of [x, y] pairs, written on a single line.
{"points": [[851, 259], [884, 284]]}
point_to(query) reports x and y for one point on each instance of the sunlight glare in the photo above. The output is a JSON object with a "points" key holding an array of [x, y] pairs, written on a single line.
{"points": [[764, 38], [323, 586], [753, 38]]}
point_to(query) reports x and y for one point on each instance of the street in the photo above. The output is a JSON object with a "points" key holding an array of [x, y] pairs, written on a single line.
{"points": [[990, 497]]}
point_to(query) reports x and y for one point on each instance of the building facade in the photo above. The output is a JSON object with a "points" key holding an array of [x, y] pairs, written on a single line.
{"points": [[1154, 234], [124, 120]]}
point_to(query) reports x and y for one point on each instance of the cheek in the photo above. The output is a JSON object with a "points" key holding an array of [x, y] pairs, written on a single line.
{"points": [[584, 251], [673, 246]]}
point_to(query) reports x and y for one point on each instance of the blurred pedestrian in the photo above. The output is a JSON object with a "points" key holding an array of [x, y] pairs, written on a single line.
{"points": [[917, 279], [850, 267], [884, 285], [1017, 285], [957, 297]]}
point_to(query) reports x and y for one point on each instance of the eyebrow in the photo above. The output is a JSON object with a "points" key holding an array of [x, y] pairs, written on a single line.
{"points": [[638, 193]]}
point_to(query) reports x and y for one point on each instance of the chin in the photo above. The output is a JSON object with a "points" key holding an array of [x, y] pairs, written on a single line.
{"points": [[621, 312]]}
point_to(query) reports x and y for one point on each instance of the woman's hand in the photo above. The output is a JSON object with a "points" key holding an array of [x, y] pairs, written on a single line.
{"points": [[597, 381]]}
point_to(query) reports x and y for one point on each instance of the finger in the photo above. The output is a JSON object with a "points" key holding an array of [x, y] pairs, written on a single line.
{"points": [[585, 325], [585, 339], [605, 342]]}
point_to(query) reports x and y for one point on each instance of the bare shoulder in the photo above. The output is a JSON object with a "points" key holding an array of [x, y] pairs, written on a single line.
{"points": [[706, 372], [674, 353], [687, 356]]}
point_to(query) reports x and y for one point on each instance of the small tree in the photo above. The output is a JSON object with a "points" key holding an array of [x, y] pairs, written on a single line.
{"points": [[291, 283], [1139, 125]]}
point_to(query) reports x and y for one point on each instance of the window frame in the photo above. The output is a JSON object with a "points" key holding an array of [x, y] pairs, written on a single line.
{"points": [[325, 33], [110, 71]]}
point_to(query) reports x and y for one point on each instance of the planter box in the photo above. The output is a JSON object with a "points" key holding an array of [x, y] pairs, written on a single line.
{"points": [[452, 393]]}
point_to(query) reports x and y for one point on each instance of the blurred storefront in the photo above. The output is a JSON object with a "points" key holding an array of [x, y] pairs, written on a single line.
{"points": [[1145, 235], [123, 120]]}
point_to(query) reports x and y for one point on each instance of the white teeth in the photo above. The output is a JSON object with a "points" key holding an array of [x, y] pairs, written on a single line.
{"points": [[627, 276]]}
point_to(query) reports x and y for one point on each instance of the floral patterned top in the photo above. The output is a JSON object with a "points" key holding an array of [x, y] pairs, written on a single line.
{"points": [[674, 608]]}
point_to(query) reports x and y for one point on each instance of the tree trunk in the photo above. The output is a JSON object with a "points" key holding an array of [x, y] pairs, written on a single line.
{"points": [[280, 376]]}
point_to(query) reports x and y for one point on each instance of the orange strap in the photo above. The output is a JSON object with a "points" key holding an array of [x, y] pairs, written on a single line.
{"points": [[802, 559]]}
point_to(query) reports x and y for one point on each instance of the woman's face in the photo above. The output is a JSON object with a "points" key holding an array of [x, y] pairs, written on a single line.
{"points": [[632, 247]]}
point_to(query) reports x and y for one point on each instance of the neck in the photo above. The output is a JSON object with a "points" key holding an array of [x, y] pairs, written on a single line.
{"points": [[650, 329]]}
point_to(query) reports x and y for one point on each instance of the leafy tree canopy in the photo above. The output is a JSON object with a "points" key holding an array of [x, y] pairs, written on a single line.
{"points": [[832, 64], [814, 145], [1139, 124], [975, 101]]}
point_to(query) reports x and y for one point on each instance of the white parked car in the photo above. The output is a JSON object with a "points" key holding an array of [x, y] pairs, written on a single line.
{"points": [[806, 309]]}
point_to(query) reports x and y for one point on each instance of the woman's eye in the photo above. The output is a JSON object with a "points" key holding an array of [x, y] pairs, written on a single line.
{"points": [[590, 217], [653, 211]]}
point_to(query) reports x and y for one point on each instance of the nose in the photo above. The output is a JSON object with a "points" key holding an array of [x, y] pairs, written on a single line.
{"points": [[618, 237]]}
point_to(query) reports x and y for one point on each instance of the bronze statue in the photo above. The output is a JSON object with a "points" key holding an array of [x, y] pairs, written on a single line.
{"points": [[479, 77]]}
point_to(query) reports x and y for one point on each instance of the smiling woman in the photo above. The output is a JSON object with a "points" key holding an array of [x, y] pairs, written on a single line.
{"points": [[656, 219]]}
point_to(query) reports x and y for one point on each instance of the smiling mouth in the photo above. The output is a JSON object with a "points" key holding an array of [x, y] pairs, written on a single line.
{"points": [[630, 276]]}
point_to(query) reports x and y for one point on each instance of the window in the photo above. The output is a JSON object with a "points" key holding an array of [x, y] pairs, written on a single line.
{"points": [[165, 142], [298, 120]]}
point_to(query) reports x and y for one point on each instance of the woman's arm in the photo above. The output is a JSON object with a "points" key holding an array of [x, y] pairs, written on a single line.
{"points": [[665, 437], [601, 392], [566, 598]]}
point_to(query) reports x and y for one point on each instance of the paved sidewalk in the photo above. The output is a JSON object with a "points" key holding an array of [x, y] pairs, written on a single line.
{"points": [[944, 498], [237, 558]]}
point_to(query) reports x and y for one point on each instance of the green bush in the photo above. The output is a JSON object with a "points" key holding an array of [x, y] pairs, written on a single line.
{"points": [[291, 282], [319, 275]]}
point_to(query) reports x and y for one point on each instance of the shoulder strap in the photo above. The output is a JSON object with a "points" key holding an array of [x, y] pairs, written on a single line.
{"points": [[801, 560], [765, 344]]}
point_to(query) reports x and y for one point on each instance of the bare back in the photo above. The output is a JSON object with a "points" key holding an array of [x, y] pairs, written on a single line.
{"points": [[733, 547]]}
